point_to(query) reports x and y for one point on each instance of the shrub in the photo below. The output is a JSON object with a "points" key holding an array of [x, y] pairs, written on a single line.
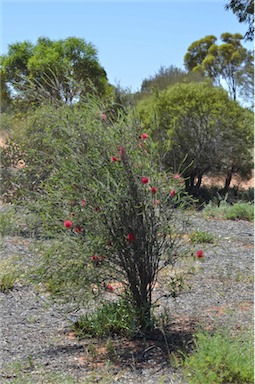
{"points": [[241, 211], [112, 318], [221, 358], [201, 237], [104, 193]]}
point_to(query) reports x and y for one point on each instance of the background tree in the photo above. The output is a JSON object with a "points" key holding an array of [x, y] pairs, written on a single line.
{"points": [[166, 77], [224, 63], [63, 70], [197, 52], [244, 10], [201, 130]]}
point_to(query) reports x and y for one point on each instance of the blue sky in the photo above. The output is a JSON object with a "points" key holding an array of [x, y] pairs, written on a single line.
{"points": [[133, 39]]}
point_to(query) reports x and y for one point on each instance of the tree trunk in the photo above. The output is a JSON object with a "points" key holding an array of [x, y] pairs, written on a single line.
{"points": [[227, 181], [199, 181]]}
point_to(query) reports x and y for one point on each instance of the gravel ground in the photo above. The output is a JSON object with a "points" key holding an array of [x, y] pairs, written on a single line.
{"points": [[38, 346]]}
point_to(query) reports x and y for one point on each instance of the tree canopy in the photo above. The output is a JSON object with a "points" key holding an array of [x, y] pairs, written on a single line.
{"points": [[223, 63], [58, 69], [199, 128], [244, 10]]}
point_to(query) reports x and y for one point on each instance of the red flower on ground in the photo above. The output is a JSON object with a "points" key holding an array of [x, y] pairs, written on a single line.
{"points": [[114, 158], [109, 288], [144, 136], [172, 193], [68, 223], [83, 202], [199, 254], [177, 176], [156, 202], [145, 180], [153, 190], [130, 237]]}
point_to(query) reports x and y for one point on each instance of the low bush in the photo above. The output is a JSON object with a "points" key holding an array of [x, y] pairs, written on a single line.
{"points": [[112, 318], [237, 211], [201, 237], [241, 211], [221, 358]]}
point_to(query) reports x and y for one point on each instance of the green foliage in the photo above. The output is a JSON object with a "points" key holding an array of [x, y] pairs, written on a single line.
{"points": [[244, 10], [221, 358], [7, 282], [110, 319], [18, 221], [226, 62], [240, 211], [9, 274], [167, 77], [197, 127], [104, 178], [201, 237], [61, 70]]}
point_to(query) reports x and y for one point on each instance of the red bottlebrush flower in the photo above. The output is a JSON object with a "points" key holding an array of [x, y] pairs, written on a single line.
{"points": [[145, 180], [68, 223], [77, 229], [114, 158], [156, 202], [109, 288], [97, 258], [83, 202], [172, 193], [130, 237], [121, 150], [144, 136], [199, 254], [177, 176], [153, 190]]}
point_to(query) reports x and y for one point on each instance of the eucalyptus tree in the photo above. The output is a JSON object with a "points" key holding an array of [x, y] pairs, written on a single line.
{"points": [[224, 63], [199, 131], [244, 10], [62, 70]]}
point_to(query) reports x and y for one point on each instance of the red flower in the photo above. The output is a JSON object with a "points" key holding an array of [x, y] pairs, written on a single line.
{"points": [[114, 158], [177, 176], [109, 288], [172, 193], [78, 229], [144, 136], [156, 202], [97, 258], [68, 223], [145, 180], [153, 190], [130, 237], [121, 150], [199, 254], [83, 202]]}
